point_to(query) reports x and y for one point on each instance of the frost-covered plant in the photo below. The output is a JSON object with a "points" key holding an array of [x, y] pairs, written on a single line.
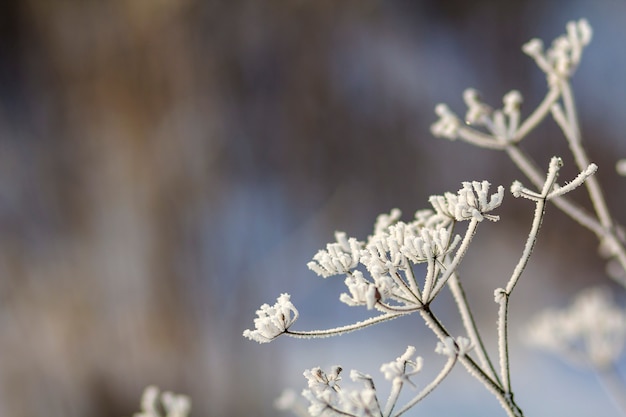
{"points": [[381, 275], [155, 403]]}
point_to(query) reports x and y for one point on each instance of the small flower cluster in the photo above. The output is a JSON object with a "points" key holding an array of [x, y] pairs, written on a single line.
{"points": [[166, 404], [471, 201], [452, 348], [388, 256], [389, 253], [501, 124], [380, 275], [403, 367], [561, 59], [272, 321], [592, 331], [326, 397]]}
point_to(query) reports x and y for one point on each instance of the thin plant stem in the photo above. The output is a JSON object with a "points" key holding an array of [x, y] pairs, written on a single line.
{"points": [[537, 116], [396, 387], [470, 326], [503, 299], [460, 253], [429, 282], [571, 131], [568, 122], [338, 331], [480, 139], [504, 398], [413, 291], [414, 288], [575, 212], [430, 387]]}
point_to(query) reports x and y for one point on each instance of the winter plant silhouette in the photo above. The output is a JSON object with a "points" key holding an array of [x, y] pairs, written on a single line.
{"points": [[380, 273]]}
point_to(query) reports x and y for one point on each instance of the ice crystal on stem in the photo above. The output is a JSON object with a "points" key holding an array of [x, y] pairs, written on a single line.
{"points": [[477, 111], [326, 397], [319, 381], [471, 202], [448, 124], [338, 258], [403, 367], [380, 274], [362, 292], [454, 347], [562, 58], [272, 321]]}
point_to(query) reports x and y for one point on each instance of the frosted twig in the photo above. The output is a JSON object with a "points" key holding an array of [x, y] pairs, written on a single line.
{"points": [[505, 399], [470, 326], [338, 331], [536, 116], [502, 295], [450, 268], [430, 387]]}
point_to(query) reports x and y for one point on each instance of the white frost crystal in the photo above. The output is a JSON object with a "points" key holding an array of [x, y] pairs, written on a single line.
{"points": [[477, 111], [448, 124], [451, 347], [471, 201], [429, 244], [403, 367], [562, 58], [272, 321], [362, 292], [338, 258]]}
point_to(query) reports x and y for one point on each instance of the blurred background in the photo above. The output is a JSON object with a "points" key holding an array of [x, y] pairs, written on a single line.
{"points": [[167, 166]]}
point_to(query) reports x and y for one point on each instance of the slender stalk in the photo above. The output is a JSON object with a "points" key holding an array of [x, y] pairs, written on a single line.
{"points": [[412, 291], [430, 278], [396, 387], [571, 131], [480, 139], [470, 327], [505, 398], [414, 288], [338, 331], [568, 122], [430, 387], [503, 296], [386, 308], [575, 212], [460, 253], [537, 116]]}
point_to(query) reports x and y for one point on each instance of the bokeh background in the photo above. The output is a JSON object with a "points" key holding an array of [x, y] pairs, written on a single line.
{"points": [[166, 166]]}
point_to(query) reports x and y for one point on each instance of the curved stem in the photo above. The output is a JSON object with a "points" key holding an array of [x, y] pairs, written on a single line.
{"points": [[480, 139], [503, 297], [569, 126], [470, 326], [537, 116], [505, 398], [460, 253], [430, 387], [338, 331]]}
